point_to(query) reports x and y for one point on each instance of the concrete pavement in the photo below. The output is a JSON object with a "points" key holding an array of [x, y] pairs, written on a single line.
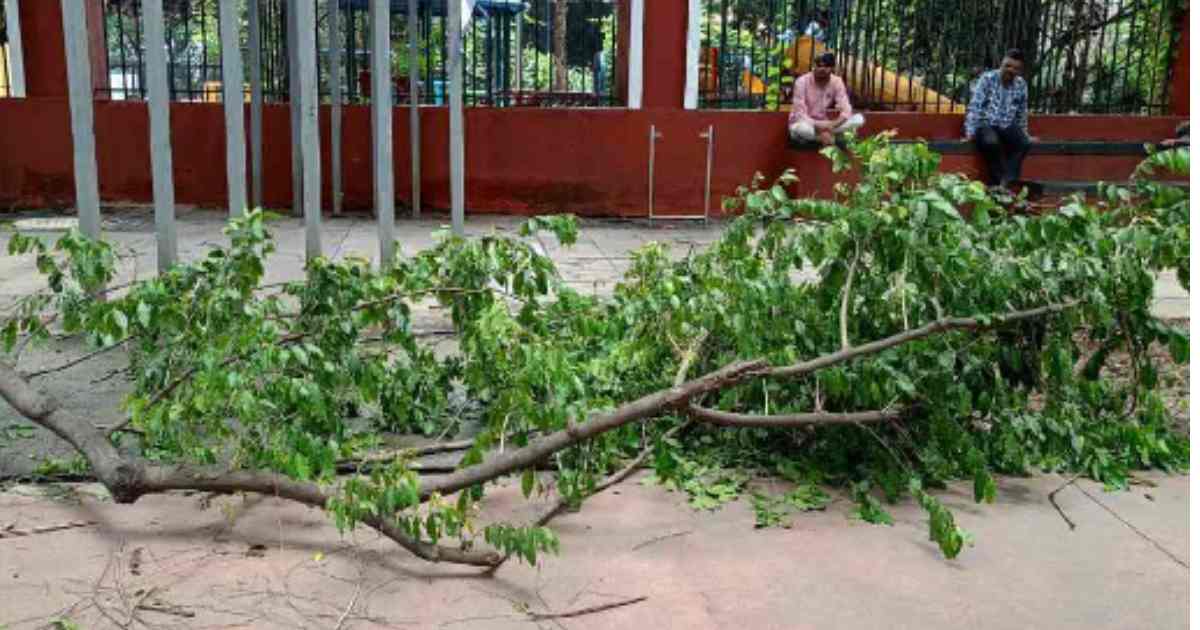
{"points": [[257, 562]]}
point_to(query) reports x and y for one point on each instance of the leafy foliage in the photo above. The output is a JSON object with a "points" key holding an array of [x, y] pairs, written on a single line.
{"points": [[295, 379]]}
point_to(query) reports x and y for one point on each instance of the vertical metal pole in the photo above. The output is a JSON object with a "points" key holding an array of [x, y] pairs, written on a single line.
{"points": [[235, 109], [710, 137], [160, 134], [654, 136], [457, 139], [414, 110], [310, 135], [520, 18], [637, 21], [83, 133], [691, 87], [294, 104], [16, 54], [335, 93], [381, 119], [256, 104]]}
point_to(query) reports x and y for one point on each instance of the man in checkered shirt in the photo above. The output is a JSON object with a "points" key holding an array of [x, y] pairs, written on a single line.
{"points": [[998, 119]]}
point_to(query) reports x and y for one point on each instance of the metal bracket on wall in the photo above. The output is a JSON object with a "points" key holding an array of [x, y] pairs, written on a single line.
{"points": [[709, 136]]}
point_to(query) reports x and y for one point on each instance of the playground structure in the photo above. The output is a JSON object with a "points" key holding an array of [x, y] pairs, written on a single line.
{"points": [[866, 81]]}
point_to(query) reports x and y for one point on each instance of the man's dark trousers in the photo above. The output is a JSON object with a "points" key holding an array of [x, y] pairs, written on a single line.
{"points": [[1005, 150]]}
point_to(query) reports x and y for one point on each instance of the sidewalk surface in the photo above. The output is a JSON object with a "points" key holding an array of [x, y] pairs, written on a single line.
{"points": [[257, 562]]}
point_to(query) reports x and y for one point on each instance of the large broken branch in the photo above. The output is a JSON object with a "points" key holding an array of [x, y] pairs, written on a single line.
{"points": [[129, 477]]}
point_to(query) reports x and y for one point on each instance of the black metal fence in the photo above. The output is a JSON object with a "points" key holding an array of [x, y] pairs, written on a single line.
{"points": [[1081, 56], [531, 52], [5, 71]]}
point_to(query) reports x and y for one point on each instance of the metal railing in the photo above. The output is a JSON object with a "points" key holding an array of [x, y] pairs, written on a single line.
{"points": [[5, 80], [516, 53], [1081, 56]]}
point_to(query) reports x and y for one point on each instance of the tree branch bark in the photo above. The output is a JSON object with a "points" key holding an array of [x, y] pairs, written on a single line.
{"points": [[730, 419], [128, 478]]}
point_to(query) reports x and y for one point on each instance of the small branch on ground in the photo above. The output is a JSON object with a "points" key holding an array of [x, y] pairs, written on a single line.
{"points": [[657, 539], [11, 531], [585, 611], [1054, 492]]}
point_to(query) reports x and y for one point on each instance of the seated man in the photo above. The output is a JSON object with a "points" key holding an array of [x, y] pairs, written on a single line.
{"points": [[820, 105], [998, 119], [1182, 137]]}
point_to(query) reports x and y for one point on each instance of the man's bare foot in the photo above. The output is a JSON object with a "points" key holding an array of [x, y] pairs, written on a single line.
{"points": [[825, 138]]}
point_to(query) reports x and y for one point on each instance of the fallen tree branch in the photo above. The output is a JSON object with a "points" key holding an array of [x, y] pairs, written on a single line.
{"points": [[730, 419], [129, 477]]}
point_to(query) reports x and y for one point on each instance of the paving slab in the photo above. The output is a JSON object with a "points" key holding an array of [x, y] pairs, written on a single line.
{"points": [[264, 563]]}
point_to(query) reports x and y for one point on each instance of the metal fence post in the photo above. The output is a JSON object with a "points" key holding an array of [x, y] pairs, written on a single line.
{"points": [[454, 48], [235, 114], [83, 131], [381, 119], [160, 133], [254, 9], [414, 111], [335, 119], [310, 136], [16, 54]]}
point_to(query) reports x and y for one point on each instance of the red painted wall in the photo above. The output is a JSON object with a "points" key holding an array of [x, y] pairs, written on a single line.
{"points": [[1181, 70], [45, 51], [588, 161], [663, 56]]}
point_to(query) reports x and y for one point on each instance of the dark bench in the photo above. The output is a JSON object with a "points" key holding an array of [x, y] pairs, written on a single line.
{"points": [[1039, 187], [1051, 147]]}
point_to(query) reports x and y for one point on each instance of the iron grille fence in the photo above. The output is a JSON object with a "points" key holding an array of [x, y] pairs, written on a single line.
{"points": [[1081, 56], [5, 70], [516, 52]]}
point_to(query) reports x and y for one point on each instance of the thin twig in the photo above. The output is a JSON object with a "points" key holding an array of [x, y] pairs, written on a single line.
{"points": [[585, 611], [846, 298], [610, 481], [353, 602], [166, 610], [731, 419], [1054, 492], [656, 539], [72, 363]]}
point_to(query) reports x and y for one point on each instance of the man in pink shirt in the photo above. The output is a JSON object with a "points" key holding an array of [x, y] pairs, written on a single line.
{"points": [[820, 107]]}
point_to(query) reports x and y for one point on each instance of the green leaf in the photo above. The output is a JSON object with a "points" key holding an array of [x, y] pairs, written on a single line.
{"points": [[143, 314], [528, 479], [985, 486]]}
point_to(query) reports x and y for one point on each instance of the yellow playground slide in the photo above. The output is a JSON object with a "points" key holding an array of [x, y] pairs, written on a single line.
{"points": [[868, 81]]}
